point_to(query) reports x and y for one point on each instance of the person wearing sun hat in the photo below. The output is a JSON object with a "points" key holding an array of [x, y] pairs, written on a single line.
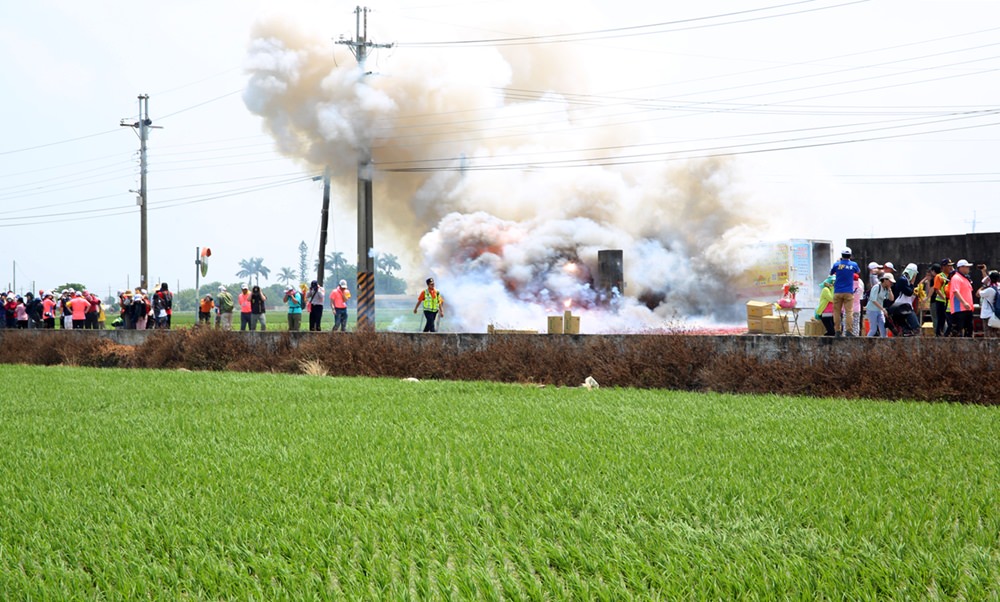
{"points": [[877, 301], [294, 300], [874, 272], [224, 309], [902, 310], [824, 308], [960, 300]]}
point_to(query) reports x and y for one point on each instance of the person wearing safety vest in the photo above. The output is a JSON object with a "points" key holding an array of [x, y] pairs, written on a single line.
{"points": [[433, 304]]}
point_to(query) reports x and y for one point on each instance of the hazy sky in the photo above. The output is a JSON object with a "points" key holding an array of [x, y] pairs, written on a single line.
{"points": [[840, 119]]}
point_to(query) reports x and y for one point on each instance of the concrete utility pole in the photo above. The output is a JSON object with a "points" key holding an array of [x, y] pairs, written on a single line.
{"points": [[142, 128], [366, 260]]}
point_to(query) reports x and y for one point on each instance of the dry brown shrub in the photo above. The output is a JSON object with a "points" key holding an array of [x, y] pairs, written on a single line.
{"points": [[194, 349], [919, 369], [312, 368], [37, 348]]}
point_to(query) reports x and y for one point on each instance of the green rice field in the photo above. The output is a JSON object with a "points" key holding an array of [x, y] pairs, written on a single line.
{"points": [[172, 485]]}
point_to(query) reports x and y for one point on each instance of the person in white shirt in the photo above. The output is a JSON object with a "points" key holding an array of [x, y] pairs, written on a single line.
{"points": [[988, 301]]}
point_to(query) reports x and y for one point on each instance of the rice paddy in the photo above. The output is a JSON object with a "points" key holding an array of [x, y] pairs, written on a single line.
{"points": [[125, 484]]}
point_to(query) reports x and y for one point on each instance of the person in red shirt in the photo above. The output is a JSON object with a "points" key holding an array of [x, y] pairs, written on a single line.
{"points": [[338, 300], [90, 322], [78, 306], [48, 312], [243, 300], [960, 300]]}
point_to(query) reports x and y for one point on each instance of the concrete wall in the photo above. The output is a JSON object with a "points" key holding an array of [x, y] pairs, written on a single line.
{"points": [[925, 250], [762, 346]]}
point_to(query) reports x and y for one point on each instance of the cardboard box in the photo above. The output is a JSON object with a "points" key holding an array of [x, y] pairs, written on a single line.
{"points": [[775, 325], [815, 328], [759, 309], [555, 324], [927, 329], [571, 323], [755, 325]]}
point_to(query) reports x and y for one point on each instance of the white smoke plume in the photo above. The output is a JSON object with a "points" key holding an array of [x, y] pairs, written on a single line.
{"points": [[508, 246]]}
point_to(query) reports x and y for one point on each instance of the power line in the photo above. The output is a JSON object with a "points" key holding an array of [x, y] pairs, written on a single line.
{"points": [[155, 205], [631, 30], [48, 144], [609, 161]]}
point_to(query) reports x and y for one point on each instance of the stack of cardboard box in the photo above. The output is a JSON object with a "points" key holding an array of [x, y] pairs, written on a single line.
{"points": [[756, 312]]}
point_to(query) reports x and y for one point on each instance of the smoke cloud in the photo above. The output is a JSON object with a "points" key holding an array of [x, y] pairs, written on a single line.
{"points": [[509, 236]]}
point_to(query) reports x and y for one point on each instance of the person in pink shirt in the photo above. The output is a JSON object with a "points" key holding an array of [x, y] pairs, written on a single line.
{"points": [[49, 312], [338, 300], [246, 310], [79, 306], [960, 300], [21, 313]]}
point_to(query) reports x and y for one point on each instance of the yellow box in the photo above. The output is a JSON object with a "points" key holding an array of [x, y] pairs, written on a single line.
{"points": [[571, 323], [759, 309], [815, 328], [755, 325], [775, 325], [927, 329], [555, 324]]}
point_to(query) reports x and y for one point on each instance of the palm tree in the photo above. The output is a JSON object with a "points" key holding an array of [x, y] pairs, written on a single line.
{"points": [[287, 276], [387, 262], [335, 262], [253, 268]]}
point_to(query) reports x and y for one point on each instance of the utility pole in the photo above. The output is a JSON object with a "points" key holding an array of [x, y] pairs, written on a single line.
{"points": [[366, 260], [324, 220], [973, 222], [142, 128]]}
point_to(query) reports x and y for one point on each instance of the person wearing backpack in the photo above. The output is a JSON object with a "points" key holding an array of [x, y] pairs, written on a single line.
{"points": [[225, 308], [294, 301], [989, 312]]}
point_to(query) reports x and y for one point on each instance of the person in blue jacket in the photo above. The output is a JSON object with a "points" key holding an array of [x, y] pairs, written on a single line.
{"points": [[843, 272]]}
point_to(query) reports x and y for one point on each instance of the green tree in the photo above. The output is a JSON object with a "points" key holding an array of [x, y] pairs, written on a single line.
{"points": [[76, 286], [253, 268], [303, 263], [335, 267], [388, 263], [287, 276]]}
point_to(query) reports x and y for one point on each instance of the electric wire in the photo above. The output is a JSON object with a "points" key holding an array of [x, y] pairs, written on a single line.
{"points": [[631, 30], [675, 155]]}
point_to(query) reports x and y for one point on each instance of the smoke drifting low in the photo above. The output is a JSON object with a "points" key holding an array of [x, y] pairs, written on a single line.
{"points": [[512, 244]]}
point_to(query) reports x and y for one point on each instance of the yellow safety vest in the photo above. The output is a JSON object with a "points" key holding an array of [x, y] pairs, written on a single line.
{"points": [[431, 301]]}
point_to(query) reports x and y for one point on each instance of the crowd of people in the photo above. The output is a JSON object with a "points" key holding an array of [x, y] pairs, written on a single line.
{"points": [[252, 305], [139, 310], [71, 309], [946, 291]]}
